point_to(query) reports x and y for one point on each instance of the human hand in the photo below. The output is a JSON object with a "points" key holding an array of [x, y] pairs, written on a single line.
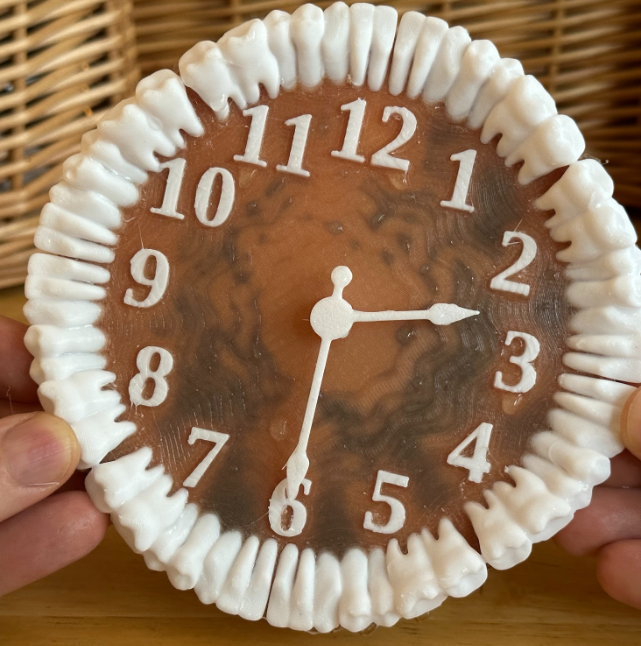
{"points": [[610, 528], [39, 532]]}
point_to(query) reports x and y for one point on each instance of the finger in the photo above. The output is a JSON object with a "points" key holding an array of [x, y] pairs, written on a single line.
{"points": [[15, 360], [38, 452], [16, 408], [626, 471], [619, 571], [613, 515], [45, 538], [631, 424]]}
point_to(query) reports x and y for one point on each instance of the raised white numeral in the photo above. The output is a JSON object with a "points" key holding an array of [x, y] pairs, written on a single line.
{"points": [[397, 510], [203, 196], [477, 465], [255, 136], [527, 256], [158, 282], [462, 185], [218, 439], [523, 361], [279, 502], [172, 190], [383, 157], [295, 163], [137, 384], [356, 111]]}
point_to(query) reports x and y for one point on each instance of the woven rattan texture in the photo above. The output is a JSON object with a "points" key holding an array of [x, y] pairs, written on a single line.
{"points": [[62, 64]]}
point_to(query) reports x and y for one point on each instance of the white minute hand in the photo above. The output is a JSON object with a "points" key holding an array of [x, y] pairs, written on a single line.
{"points": [[439, 314], [332, 318]]}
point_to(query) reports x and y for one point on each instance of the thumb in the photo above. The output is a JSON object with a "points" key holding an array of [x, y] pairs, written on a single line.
{"points": [[631, 424], [38, 453]]}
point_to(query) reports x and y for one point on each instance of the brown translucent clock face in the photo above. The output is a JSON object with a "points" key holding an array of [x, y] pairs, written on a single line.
{"points": [[397, 397]]}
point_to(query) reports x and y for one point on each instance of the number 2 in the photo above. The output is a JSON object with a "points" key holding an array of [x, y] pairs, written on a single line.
{"points": [[397, 510], [528, 253], [218, 439], [383, 157]]}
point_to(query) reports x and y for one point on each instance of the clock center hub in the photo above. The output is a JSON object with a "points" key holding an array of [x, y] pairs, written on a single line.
{"points": [[332, 318]]}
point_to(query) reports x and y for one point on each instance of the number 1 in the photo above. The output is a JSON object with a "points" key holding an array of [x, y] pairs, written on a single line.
{"points": [[462, 185], [218, 439], [295, 163]]}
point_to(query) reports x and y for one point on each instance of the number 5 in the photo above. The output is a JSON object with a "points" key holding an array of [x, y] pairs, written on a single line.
{"points": [[397, 515], [218, 439]]}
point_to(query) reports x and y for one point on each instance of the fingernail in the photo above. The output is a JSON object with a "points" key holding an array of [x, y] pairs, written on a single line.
{"points": [[38, 451], [631, 430]]}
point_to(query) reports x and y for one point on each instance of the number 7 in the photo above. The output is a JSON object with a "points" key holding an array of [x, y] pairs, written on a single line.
{"points": [[218, 439]]}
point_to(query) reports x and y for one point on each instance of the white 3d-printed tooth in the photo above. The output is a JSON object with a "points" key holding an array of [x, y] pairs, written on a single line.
{"points": [[163, 96], [335, 43], [525, 106], [237, 582], [459, 569], [250, 61], [329, 587], [477, 65], [100, 433], [506, 71], [355, 606], [360, 37], [503, 541], [385, 19], [216, 566], [280, 597], [112, 484], [555, 143], [381, 591], [407, 35], [429, 40], [186, 566], [307, 28], [416, 589], [280, 43], [447, 64], [255, 600], [301, 613]]}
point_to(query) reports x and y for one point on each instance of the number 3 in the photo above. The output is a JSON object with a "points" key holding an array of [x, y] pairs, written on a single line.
{"points": [[523, 361], [397, 515]]}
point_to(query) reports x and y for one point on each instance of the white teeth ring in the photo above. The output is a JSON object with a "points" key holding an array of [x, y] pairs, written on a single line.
{"points": [[332, 318]]}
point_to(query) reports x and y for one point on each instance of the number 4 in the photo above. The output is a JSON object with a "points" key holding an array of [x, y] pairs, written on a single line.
{"points": [[218, 439], [477, 465]]}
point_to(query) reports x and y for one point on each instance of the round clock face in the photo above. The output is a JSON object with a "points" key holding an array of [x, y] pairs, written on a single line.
{"points": [[336, 317]]}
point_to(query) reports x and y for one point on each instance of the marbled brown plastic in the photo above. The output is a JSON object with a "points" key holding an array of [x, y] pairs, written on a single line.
{"points": [[396, 396]]}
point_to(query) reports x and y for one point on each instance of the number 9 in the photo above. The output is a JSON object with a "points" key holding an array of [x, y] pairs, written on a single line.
{"points": [[158, 283]]}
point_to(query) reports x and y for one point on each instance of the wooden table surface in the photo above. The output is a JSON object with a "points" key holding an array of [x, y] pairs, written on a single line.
{"points": [[111, 598]]}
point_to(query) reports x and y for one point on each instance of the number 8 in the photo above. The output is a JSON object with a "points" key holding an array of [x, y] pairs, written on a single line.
{"points": [[137, 384]]}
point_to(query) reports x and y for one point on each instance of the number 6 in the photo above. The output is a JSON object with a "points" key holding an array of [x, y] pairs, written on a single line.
{"points": [[397, 515], [279, 502]]}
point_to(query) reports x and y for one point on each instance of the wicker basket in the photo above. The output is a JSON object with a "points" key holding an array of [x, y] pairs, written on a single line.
{"points": [[586, 52], [62, 64]]}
